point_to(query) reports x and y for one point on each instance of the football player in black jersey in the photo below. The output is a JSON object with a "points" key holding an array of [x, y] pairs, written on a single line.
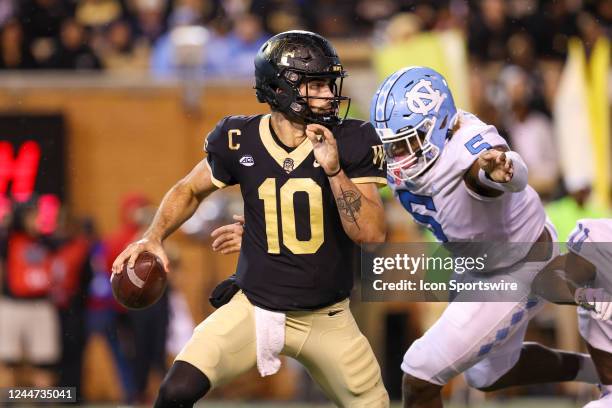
{"points": [[309, 180]]}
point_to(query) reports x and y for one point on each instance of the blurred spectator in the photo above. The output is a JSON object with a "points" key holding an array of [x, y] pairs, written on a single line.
{"points": [[14, 52], [591, 28], [72, 51], [28, 320], [148, 328], [182, 51], [43, 18], [550, 26], [190, 50], [7, 11], [181, 324], [489, 31], [529, 130], [427, 13], [330, 19], [132, 216], [121, 52], [521, 51], [233, 55], [278, 15], [71, 275], [370, 11], [42, 21], [149, 18], [107, 319], [403, 27], [98, 13]]}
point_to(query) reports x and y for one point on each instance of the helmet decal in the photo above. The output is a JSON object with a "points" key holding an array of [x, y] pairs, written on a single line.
{"points": [[422, 98]]}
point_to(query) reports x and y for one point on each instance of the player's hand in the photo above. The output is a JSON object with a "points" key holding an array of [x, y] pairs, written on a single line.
{"points": [[130, 254], [228, 238], [324, 147], [497, 165], [597, 300]]}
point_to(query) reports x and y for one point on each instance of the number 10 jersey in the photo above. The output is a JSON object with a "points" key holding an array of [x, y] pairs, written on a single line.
{"points": [[295, 254]]}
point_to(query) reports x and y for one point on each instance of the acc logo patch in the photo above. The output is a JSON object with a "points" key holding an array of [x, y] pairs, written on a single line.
{"points": [[247, 160], [422, 98]]}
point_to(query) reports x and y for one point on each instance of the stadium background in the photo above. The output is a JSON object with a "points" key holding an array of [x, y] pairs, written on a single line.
{"points": [[118, 95]]}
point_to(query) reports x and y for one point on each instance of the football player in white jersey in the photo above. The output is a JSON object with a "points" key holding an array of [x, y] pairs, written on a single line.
{"points": [[584, 276], [457, 176]]}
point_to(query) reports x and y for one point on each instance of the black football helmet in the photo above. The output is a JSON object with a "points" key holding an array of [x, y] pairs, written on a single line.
{"points": [[291, 58]]}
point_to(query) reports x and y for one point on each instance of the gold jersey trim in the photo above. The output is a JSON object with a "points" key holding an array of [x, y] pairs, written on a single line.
{"points": [[362, 180], [216, 182], [280, 155]]}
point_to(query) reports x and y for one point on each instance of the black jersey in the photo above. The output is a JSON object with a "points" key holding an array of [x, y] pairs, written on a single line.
{"points": [[295, 254]]}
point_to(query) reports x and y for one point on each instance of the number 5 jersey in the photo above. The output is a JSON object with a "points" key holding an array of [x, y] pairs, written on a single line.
{"points": [[440, 200]]}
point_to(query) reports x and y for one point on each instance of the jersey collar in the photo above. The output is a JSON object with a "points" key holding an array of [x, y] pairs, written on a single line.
{"points": [[287, 160]]}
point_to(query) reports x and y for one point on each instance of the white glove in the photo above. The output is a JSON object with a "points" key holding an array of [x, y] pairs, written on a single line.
{"points": [[597, 300]]}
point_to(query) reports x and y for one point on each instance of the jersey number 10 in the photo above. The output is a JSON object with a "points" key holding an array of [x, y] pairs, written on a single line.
{"points": [[267, 193]]}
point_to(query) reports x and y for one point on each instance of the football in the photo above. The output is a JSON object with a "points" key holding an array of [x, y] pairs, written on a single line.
{"points": [[141, 286]]}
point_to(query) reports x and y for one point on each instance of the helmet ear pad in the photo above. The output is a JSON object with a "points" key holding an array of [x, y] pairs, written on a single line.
{"points": [[272, 88], [287, 95], [284, 96]]}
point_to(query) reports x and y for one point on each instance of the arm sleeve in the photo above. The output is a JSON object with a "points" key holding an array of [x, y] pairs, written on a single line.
{"points": [[362, 157], [216, 148]]}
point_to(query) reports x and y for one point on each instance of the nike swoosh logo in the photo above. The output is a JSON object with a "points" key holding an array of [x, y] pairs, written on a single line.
{"points": [[333, 312]]}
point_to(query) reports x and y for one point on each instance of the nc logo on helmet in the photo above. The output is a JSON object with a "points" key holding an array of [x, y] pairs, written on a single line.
{"points": [[422, 98]]}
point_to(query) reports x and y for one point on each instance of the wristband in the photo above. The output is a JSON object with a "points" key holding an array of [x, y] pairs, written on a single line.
{"points": [[335, 173], [519, 176]]}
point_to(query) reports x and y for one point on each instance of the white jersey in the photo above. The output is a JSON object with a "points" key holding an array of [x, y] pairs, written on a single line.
{"points": [[592, 240], [440, 200]]}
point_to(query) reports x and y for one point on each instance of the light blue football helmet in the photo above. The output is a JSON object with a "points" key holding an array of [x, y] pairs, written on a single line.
{"points": [[412, 111]]}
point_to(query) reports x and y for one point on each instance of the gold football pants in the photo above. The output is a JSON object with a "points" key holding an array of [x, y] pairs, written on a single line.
{"points": [[326, 341]]}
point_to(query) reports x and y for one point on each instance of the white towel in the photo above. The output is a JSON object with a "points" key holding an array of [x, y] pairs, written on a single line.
{"points": [[270, 339]]}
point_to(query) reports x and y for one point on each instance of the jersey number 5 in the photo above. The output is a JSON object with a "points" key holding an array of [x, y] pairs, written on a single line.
{"points": [[476, 145], [267, 193], [408, 199]]}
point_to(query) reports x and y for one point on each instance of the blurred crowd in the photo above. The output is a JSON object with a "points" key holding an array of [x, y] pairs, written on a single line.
{"points": [[55, 295], [221, 36]]}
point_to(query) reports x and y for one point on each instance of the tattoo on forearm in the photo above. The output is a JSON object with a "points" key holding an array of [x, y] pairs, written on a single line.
{"points": [[349, 204]]}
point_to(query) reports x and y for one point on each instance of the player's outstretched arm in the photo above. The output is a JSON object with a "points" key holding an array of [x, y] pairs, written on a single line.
{"points": [[564, 280], [177, 206], [496, 171], [360, 207], [554, 284]]}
